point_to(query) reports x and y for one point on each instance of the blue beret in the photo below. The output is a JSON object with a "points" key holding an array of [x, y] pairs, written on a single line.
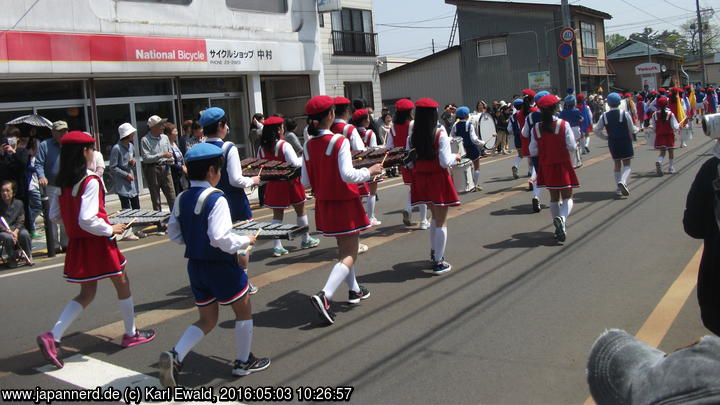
{"points": [[518, 101], [540, 94], [462, 112], [570, 100], [613, 99], [570, 90], [211, 116], [202, 151]]}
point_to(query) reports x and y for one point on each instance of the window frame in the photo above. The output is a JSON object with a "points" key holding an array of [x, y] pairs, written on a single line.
{"points": [[353, 32], [347, 90], [589, 52], [255, 10], [492, 42]]}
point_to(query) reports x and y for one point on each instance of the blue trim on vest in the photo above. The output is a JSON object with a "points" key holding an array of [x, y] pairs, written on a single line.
{"points": [[194, 228], [471, 150]]}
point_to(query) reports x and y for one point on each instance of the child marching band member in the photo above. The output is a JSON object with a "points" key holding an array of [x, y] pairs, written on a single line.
{"points": [[92, 254], [327, 168], [232, 183], [553, 142], [528, 121], [361, 120], [587, 121], [574, 117], [665, 125], [514, 126], [280, 194], [432, 183], [640, 112], [619, 127], [201, 221], [465, 130], [402, 122]]}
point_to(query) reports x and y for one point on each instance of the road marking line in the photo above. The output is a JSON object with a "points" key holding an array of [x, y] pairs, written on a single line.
{"points": [[658, 324]]}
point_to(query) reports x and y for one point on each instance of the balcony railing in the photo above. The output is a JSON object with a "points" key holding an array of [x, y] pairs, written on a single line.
{"points": [[353, 43]]}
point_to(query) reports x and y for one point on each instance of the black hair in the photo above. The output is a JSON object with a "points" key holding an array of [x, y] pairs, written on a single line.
{"points": [[664, 113], [258, 117], [359, 103], [290, 124], [423, 135], [270, 135], [197, 169], [73, 166], [527, 100], [212, 129], [314, 121], [12, 183], [195, 125], [402, 117], [341, 109], [547, 117]]}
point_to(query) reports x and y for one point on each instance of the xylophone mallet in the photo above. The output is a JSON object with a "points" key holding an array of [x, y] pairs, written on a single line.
{"points": [[381, 164], [247, 249], [126, 226]]}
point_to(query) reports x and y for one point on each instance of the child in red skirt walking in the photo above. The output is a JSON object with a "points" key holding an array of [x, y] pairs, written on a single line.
{"points": [[91, 253], [281, 195], [361, 120], [327, 168], [553, 142], [665, 124], [432, 183]]}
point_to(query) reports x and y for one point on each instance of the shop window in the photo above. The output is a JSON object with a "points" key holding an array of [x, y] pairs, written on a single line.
{"points": [[132, 88], [13, 92], [143, 111], [212, 85], [110, 117], [352, 32], [360, 90], [492, 47], [267, 6], [588, 39], [74, 116]]}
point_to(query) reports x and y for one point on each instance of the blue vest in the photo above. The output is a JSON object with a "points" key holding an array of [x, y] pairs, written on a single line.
{"points": [[533, 119], [572, 115], [194, 227], [461, 129], [237, 200], [616, 130]]}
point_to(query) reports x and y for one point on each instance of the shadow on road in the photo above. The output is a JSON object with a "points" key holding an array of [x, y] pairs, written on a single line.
{"points": [[399, 273], [526, 240], [593, 196], [524, 209]]}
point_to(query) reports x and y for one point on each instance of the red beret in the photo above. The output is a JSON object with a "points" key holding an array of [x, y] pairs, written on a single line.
{"points": [[548, 101], [404, 105], [341, 101], [662, 101], [318, 104], [628, 95], [273, 121], [76, 137], [359, 114], [580, 98], [639, 97], [688, 87], [426, 102], [529, 92], [662, 90], [654, 92]]}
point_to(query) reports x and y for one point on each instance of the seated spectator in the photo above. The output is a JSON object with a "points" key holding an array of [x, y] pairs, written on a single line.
{"points": [[13, 212]]}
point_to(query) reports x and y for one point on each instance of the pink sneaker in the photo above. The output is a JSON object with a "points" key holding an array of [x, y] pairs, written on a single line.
{"points": [[140, 337], [48, 347]]}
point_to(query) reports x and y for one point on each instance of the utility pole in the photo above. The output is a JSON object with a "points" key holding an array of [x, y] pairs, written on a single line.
{"points": [[569, 64], [700, 32], [433, 45]]}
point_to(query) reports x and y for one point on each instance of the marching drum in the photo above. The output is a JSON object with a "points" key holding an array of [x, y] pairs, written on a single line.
{"points": [[486, 131], [462, 176], [456, 146]]}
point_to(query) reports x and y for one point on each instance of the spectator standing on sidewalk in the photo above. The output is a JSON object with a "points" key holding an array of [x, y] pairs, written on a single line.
{"points": [[156, 160], [47, 165], [177, 167], [123, 165], [291, 137], [13, 212]]}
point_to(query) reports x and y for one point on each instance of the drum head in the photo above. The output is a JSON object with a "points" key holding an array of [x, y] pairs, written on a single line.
{"points": [[486, 129]]}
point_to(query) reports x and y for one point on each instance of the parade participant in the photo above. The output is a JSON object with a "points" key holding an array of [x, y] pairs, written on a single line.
{"points": [[711, 101], [587, 122], [700, 100], [232, 183], [327, 168], [402, 122], [620, 128], [202, 222], [361, 121], [464, 129], [665, 125], [551, 141], [531, 119], [432, 183], [574, 117], [91, 254], [640, 112], [281, 195], [514, 126]]}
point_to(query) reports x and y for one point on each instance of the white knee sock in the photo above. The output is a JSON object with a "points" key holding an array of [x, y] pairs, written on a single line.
{"points": [[433, 231], [303, 221], [566, 208], [476, 177], [670, 162], [408, 206], [192, 336], [69, 314], [370, 206], [276, 243], [554, 209], [625, 176], [351, 280], [243, 339], [587, 141], [533, 173], [536, 190], [617, 177], [127, 310], [440, 242], [423, 212], [338, 274], [517, 161]]}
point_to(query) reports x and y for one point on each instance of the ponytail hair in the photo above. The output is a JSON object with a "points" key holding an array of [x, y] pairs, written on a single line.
{"points": [[270, 135], [314, 120], [664, 113], [73, 165], [547, 117], [424, 130], [402, 117]]}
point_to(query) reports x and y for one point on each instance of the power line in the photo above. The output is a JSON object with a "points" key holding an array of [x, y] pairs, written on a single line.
{"points": [[441, 17], [651, 15], [678, 7], [412, 26]]}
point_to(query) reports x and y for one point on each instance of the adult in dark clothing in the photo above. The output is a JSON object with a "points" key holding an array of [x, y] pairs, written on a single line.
{"points": [[13, 212], [701, 221], [15, 165]]}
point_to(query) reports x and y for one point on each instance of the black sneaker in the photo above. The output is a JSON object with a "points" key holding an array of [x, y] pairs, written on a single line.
{"points": [[624, 189], [252, 365], [515, 173], [169, 368], [441, 267], [355, 297], [322, 305], [536, 205], [559, 229], [587, 150], [432, 255]]}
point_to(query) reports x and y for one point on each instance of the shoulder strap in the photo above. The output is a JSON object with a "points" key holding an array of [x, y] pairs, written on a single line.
{"points": [[306, 153], [279, 147], [81, 184], [347, 130], [331, 144]]}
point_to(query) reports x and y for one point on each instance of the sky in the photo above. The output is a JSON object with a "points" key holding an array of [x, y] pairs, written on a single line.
{"points": [[407, 28]]}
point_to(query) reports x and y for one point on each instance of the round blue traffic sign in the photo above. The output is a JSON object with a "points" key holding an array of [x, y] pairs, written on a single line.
{"points": [[564, 50]]}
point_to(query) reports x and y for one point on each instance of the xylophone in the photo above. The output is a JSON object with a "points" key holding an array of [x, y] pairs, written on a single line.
{"points": [[270, 230], [395, 156], [272, 170], [140, 217]]}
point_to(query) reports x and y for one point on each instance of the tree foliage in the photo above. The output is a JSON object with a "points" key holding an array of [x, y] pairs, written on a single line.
{"points": [[685, 42], [613, 40]]}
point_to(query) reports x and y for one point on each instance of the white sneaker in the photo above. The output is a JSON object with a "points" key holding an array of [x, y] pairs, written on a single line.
{"points": [[362, 248], [424, 224], [672, 170], [374, 221], [130, 236]]}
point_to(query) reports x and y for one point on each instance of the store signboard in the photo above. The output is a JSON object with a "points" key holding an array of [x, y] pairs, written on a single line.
{"points": [[325, 6], [647, 68], [35, 52], [539, 80]]}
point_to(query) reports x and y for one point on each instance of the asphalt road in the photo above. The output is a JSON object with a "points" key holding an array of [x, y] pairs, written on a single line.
{"points": [[512, 323]]}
